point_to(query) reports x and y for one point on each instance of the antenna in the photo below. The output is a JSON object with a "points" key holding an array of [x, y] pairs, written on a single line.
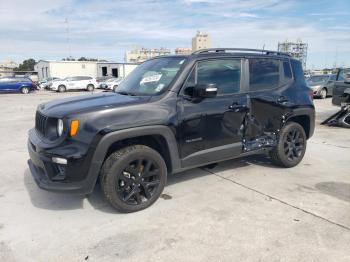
{"points": [[66, 21]]}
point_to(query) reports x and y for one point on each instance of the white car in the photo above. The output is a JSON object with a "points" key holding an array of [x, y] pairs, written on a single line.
{"points": [[112, 84], [75, 83]]}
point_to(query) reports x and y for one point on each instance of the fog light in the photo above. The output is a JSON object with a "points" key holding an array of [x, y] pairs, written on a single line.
{"points": [[59, 160]]}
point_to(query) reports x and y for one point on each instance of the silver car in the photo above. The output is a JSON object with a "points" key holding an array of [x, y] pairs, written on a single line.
{"points": [[322, 85]]}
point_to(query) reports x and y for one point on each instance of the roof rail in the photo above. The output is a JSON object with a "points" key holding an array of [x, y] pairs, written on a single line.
{"points": [[219, 50]]}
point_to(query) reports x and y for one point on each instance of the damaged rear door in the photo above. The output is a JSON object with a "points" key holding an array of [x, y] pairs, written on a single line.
{"points": [[268, 103]]}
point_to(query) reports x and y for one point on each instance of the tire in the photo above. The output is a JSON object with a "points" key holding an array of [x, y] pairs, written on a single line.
{"points": [[132, 178], [90, 88], [61, 89], [115, 88], [323, 93], [25, 90], [291, 146]]}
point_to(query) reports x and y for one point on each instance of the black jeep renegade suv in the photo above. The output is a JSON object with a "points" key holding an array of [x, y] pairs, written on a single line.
{"points": [[170, 114]]}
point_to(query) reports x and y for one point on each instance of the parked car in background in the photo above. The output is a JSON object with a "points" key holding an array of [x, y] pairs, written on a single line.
{"points": [[102, 79], [322, 85], [103, 84], [75, 83], [16, 84], [45, 83], [342, 88], [113, 85]]}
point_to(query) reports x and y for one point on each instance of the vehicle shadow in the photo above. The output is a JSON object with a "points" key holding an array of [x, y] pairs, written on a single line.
{"points": [[60, 201]]}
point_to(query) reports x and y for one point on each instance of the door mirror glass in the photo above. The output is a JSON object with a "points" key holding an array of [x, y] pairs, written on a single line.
{"points": [[205, 90]]}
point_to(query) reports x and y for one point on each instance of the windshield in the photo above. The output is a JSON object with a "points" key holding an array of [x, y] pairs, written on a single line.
{"points": [[151, 77], [318, 79]]}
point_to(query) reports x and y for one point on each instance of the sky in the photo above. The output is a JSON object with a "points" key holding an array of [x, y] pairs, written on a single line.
{"points": [[106, 29]]}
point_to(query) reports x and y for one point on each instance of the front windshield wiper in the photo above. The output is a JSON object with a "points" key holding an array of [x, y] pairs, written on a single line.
{"points": [[126, 93]]}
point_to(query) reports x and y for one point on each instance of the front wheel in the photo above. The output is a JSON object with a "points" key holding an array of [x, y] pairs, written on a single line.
{"points": [[291, 145], [133, 178], [61, 89]]}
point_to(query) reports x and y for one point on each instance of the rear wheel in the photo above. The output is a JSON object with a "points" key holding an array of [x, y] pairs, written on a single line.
{"points": [[323, 93], [133, 178], [291, 145], [90, 88], [24, 90], [62, 89]]}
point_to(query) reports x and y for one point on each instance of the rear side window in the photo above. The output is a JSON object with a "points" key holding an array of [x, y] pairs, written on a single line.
{"points": [[287, 71], [86, 78], [263, 74]]}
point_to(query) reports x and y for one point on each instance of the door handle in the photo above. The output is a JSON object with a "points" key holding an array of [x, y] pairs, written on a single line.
{"points": [[282, 100], [238, 108]]}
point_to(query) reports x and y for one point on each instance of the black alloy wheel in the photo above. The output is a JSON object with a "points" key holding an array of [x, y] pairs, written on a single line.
{"points": [[293, 144], [138, 181], [132, 178]]}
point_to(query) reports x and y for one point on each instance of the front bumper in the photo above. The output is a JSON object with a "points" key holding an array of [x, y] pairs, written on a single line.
{"points": [[60, 178]]}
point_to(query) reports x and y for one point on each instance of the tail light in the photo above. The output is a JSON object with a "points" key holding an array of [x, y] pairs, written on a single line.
{"points": [[311, 94]]}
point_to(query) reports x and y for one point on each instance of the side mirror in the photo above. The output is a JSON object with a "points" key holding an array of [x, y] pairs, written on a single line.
{"points": [[205, 90]]}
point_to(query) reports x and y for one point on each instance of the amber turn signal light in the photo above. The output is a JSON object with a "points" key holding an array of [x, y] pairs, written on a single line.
{"points": [[74, 126]]}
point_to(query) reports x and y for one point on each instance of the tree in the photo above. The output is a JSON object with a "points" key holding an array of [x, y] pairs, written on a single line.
{"points": [[87, 59], [27, 65]]}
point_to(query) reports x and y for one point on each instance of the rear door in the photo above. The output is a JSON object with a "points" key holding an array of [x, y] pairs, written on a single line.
{"points": [[269, 81]]}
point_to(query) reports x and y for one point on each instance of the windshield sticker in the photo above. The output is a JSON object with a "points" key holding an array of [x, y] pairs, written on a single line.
{"points": [[159, 87], [152, 78]]}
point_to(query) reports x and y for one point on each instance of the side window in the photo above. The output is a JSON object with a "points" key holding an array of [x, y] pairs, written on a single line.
{"points": [[225, 73], [344, 73], [287, 71], [263, 74]]}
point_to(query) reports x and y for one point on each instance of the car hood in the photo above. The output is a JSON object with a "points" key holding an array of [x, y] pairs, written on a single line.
{"points": [[62, 107]]}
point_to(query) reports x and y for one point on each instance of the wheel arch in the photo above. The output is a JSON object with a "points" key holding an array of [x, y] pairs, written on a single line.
{"points": [[160, 138], [304, 121]]}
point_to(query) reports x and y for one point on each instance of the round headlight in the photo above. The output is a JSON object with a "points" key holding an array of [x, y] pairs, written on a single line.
{"points": [[59, 127]]}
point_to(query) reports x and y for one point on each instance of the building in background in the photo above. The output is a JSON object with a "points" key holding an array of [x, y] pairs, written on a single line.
{"points": [[142, 54], [296, 49], [201, 41], [6, 68], [62, 69], [183, 51]]}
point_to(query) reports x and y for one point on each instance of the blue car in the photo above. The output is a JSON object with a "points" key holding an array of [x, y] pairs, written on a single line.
{"points": [[16, 84]]}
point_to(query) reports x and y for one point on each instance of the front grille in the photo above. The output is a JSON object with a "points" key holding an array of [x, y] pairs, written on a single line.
{"points": [[40, 122]]}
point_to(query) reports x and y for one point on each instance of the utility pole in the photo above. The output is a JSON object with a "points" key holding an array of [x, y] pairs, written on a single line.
{"points": [[66, 21]]}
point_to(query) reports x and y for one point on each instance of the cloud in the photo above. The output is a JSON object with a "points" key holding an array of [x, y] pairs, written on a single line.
{"points": [[106, 29]]}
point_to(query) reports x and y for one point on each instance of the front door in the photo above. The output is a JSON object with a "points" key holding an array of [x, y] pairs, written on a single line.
{"points": [[212, 128]]}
